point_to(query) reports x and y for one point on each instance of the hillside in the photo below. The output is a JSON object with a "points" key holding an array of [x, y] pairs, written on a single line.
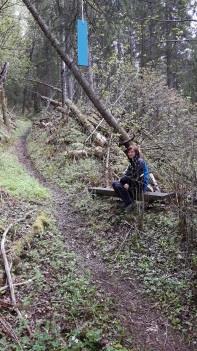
{"points": [[98, 175]]}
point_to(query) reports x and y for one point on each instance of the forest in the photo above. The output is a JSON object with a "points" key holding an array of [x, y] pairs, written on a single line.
{"points": [[92, 257]]}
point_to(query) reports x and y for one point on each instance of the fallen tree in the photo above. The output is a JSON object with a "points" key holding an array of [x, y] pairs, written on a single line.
{"points": [[125, 138], [86, 152], [97, 137]]}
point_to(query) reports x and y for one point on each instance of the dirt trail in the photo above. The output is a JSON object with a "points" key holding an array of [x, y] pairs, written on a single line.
{"points": [[148, 330]]}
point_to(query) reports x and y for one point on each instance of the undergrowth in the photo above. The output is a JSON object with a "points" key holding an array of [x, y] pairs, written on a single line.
{"points": [[155, 256], [66, 310]]}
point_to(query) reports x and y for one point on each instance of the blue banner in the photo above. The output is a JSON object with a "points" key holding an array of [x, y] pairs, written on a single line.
{"points": [[82, 43]]}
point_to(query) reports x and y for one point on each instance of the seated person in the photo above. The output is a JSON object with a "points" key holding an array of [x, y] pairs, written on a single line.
{"points": [[135, 179]]}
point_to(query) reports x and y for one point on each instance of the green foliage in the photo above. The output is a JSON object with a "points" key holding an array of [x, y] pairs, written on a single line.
{"points": [[116, 347], [89, 340], [14, 49]]}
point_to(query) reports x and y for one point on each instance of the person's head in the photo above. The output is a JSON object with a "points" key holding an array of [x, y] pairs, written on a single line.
{"points": [[133, 151]]}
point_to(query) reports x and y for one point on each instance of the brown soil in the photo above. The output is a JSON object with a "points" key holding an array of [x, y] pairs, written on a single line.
{"points": [[148, 329]]}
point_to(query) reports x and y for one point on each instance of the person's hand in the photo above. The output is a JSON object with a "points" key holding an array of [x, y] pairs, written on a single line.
{"points": [[156, 187], [126, 186]]}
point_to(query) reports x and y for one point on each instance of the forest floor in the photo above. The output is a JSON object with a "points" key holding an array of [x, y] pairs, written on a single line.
{"points": [[81, 292]]}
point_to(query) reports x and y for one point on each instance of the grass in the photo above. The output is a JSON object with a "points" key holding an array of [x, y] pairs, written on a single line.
{"points": [[13, 177], [21, 126], [15, 180]]}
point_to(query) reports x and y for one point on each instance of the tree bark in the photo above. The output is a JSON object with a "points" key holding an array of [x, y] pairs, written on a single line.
{"points": [[98, 137], [25, 91], [90, 71], [76, 72], [3, 100]]}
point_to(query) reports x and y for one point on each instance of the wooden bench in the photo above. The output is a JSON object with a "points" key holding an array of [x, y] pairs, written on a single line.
{"points": [[148, 196]]}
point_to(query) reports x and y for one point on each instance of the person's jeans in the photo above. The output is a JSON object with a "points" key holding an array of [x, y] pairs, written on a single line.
{"points": [[122, 193], [128, 196]]}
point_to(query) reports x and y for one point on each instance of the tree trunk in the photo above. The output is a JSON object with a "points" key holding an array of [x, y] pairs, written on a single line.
{"points": [[25, 91], [24, 100], [169, 48], [76, 72], [142, 45], [90, 71], [3, 100], [6, 119]]}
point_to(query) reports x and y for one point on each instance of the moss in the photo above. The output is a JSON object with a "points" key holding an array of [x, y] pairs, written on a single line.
{"points": [[41, 222]]}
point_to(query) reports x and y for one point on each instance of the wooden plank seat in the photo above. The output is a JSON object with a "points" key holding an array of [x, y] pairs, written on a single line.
{"points": [[148, 196]]}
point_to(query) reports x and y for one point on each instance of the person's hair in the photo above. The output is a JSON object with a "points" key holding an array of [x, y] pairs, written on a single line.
{"points": [[137, 150]]}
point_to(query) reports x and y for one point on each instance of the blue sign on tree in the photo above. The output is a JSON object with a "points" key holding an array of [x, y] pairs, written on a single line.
{"points": [[82, 43]]}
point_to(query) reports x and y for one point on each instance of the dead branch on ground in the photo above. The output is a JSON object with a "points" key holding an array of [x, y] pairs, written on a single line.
{"points": [[7, 269], [98, 137], [7, 329]]}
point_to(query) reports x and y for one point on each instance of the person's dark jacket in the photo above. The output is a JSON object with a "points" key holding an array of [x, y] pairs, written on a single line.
{"points": [[137, 171]]}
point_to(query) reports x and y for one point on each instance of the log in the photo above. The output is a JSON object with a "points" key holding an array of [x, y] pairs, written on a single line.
{"points": [[76, 154], [84, 153], [148, 196], [98, 137], [99, 105]]}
